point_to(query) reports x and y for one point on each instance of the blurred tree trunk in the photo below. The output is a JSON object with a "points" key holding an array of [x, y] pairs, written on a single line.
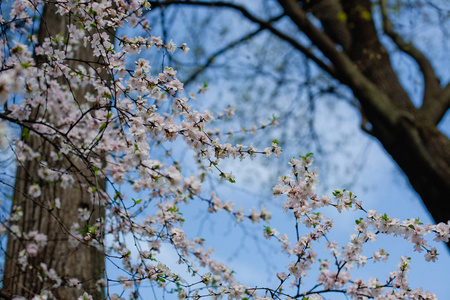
{"points": [[413, 140], [83, 262]]}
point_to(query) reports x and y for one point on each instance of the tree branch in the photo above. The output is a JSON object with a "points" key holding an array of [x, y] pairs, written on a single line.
{"points": [[263, 24], [214, 56], [333, 19], [431, 86], [436, 109], [346, 71]]}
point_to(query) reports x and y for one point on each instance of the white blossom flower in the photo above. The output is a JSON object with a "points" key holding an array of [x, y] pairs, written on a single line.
{"points": [[34, 191], [171, 47]]}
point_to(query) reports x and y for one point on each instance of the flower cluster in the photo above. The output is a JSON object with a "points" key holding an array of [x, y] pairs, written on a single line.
{"points": [[303, 202]]}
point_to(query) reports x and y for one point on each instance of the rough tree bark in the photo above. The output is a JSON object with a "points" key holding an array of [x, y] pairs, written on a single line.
{"points": [[82, 262]]}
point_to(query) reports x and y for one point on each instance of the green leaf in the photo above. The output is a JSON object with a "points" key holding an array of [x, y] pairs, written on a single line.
{"points": [[173, 209], [92, 230], [26, 133], [85, 230], [336, 192], [95, 168], [307, 155]]}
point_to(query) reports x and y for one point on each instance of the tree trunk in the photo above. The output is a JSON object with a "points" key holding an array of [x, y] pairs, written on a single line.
{"points": [[68, 257], [423, 153], [80, 261], [413, 141]]}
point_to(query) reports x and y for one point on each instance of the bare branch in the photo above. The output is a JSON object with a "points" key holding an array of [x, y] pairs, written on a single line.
{"points": [[440, 104], [263, 24], [431, 81], [218, 53], [370, 96]]}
